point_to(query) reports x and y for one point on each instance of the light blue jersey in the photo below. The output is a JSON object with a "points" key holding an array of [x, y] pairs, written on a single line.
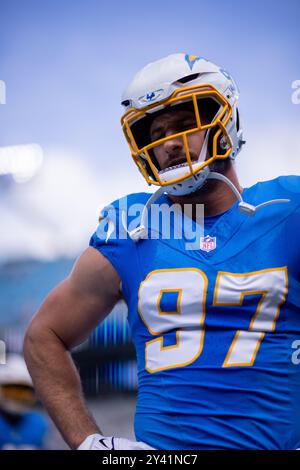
{"points": [[28, 432], [217, 329]]}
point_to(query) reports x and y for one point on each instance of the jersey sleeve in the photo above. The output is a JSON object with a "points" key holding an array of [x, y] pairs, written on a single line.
{"points": [[291, 185], [110, 237], [112, 240]]}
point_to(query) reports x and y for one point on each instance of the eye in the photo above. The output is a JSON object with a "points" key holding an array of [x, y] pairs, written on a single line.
{"points": [[157, 134], [186, 125]]}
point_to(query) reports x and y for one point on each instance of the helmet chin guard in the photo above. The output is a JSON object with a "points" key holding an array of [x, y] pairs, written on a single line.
{"points": [[190, 184]]}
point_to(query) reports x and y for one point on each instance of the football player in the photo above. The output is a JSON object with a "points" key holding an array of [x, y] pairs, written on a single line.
{"points": [[214, 320], [21, 427]]}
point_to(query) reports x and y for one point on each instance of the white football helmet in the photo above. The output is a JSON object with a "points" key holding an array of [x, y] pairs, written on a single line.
{"points": [[193, 83], [16, 387]]}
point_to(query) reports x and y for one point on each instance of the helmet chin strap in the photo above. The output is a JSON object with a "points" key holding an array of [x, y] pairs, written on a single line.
{"points": [[244, 207], [248, 209], [141, 231], [204, 174]]}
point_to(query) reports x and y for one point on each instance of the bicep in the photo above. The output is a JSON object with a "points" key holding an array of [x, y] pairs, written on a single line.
{"points": [[81, 301]]}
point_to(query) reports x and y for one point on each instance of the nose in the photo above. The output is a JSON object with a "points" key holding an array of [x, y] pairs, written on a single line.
{"points": [[172, 145]]}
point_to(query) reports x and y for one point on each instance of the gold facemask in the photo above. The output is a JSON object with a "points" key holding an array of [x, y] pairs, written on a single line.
{"points": [[134, 123]]}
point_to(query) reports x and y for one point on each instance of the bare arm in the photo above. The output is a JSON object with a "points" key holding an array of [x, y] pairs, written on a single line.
{"points": [[65, 319]]}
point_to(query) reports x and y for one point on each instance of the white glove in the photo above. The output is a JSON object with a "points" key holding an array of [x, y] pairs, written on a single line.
{"points": [[99, 442]]}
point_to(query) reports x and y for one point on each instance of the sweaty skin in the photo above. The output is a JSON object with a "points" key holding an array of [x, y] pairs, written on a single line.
{"points": [[85, 298]]}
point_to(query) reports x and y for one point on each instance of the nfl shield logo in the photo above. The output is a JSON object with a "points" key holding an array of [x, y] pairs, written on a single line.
{"points": [[208, 243]]}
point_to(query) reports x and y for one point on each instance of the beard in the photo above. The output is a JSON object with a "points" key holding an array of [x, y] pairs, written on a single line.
{"points": [[210, 185], [218, 166]]}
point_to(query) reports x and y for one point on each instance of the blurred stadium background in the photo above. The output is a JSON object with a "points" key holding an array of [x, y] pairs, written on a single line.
{"points": [[62, 155]]}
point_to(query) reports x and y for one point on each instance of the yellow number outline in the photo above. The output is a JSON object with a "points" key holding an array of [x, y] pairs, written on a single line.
{"points": [[161, 292], [161, 338], [263, 294]]}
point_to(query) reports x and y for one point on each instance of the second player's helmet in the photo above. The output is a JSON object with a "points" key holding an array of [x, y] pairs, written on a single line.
{"points": [[16, 387], [191, 83]]}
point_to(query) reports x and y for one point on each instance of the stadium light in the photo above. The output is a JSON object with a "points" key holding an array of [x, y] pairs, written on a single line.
{"points": [[21, 161]]}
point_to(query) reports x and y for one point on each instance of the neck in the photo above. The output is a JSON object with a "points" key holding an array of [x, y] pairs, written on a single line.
{"points": [[215, 195]]}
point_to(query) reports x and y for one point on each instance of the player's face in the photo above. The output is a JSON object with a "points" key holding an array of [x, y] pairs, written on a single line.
{"points": [[172, 151]]}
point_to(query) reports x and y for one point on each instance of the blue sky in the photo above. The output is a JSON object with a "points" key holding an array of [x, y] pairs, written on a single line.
{"points": [[65, 64]]}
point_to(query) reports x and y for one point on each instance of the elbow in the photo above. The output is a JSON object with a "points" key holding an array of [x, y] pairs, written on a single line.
{"points": [[36, 340], [31, 341], [40, 341]]}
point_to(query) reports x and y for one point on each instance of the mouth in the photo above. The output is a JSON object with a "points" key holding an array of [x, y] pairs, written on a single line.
{"points": [[178, 162], [174, 165]]}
